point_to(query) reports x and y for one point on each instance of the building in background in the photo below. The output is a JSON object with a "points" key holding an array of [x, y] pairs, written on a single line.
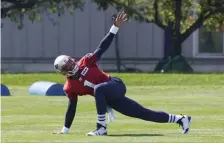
{"points": [[206, 51], [140, 45]]}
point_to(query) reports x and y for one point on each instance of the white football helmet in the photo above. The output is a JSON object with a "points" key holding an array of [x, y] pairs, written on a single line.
{"points": [[66, 65]]}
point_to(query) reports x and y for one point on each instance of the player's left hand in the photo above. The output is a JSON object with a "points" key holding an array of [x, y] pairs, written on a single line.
{"points": [[120, 19]]}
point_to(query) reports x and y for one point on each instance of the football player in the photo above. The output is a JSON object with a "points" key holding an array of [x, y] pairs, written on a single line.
{"points": [[85, 78]]}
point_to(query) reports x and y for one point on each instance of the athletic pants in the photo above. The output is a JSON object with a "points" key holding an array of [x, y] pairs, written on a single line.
{"points": [[113, 92]]}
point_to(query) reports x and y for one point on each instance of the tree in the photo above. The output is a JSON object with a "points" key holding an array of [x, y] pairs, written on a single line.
{"points": [[16, 9], [178, 18], [186, 16]]}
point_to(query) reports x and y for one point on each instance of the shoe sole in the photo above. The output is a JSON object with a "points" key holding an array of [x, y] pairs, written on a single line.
{"points": [[97, 135], [189, 123]]}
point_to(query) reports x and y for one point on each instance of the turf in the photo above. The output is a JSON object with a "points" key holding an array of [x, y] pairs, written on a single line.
{"points": [[31, 119]]}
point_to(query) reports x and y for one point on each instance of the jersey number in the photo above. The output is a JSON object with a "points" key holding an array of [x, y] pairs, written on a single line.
{"points": [[89, 84], [86, 82]]}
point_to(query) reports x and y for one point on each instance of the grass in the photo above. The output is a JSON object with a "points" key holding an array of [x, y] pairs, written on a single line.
{"points": [[31, 119], [129, 79]]}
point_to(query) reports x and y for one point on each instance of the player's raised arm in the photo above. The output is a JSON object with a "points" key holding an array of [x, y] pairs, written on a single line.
{"points": [[106, 41], [69, 116]]}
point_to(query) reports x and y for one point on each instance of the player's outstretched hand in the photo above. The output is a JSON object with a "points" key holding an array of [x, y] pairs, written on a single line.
{"points": [[120, 19], [57, 132]]}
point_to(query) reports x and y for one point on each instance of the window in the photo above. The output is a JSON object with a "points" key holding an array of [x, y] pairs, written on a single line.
{"points": [[208, 44]]}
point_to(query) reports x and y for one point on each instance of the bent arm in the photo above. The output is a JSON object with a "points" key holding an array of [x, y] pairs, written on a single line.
{"points": [[70, 114], [106, 41]]}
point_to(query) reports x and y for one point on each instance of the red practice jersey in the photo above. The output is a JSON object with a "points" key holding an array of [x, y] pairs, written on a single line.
{"points": [[90, 75]]}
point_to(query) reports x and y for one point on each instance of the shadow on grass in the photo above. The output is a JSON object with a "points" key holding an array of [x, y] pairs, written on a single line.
{"points": [[134, 135]]}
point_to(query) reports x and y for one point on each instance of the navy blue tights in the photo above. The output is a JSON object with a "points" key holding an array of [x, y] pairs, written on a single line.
{"points": [[112, 93]]}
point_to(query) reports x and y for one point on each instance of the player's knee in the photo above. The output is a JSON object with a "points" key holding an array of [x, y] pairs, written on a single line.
{"points": [[99, 89]]}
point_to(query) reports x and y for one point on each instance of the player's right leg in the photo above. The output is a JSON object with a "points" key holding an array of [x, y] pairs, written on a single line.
{"points": [[104, 92], [101, 107], [131, 108]]}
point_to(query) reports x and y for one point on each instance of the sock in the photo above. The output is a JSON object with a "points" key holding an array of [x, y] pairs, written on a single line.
{"points": [[174, 118], [101, 120]]}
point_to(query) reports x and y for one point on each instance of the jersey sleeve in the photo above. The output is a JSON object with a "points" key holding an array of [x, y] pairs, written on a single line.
{"points": [[71, 96], [91, 58], [69, 93]]}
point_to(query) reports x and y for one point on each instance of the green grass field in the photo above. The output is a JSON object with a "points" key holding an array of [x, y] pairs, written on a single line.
{"points": [[31, 119]]}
